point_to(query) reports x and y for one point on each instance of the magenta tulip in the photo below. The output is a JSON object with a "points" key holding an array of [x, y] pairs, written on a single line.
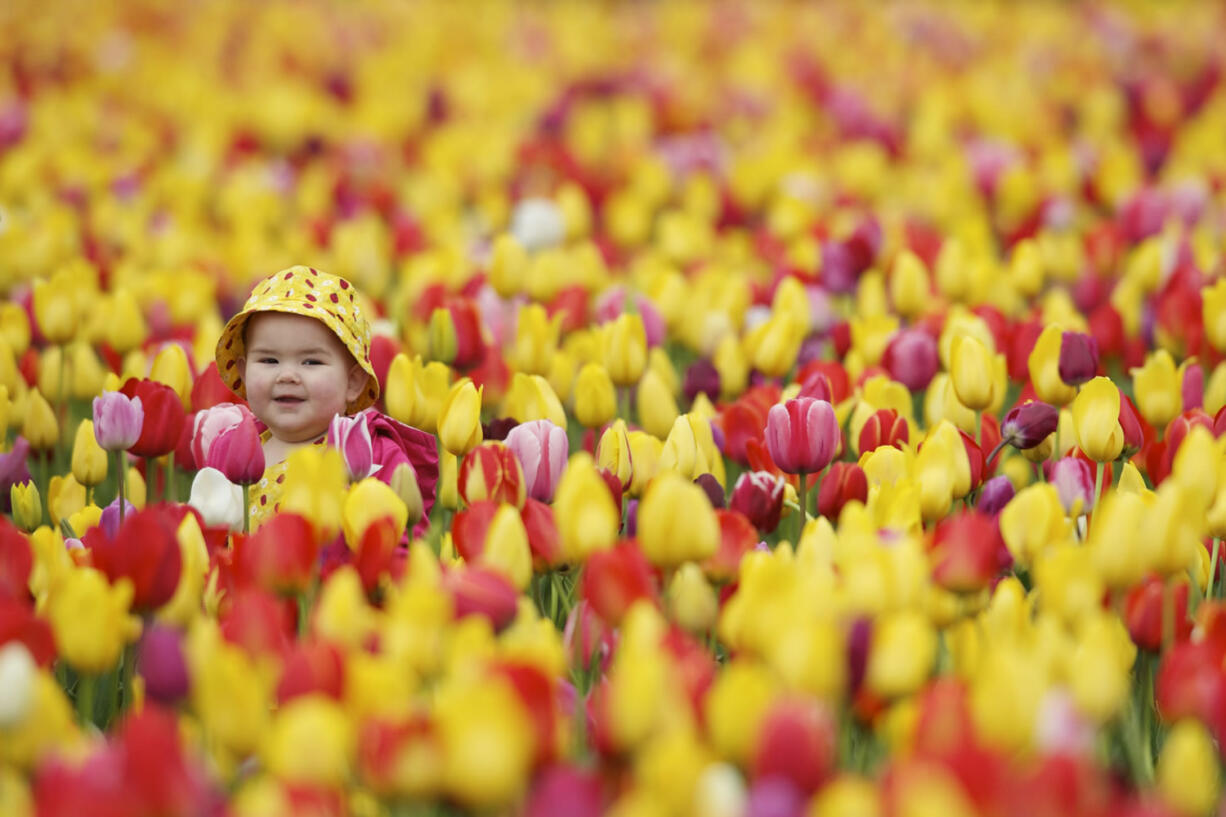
{"points": [[759, 496], [542, 450], [802, 435], [211, 423], [1078, 358], [911, 358], [1028, 424], [238, 453], [117, 420], [351, 436]]}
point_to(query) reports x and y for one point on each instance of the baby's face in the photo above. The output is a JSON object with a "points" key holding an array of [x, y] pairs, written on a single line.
{"points": [[298, 374]]}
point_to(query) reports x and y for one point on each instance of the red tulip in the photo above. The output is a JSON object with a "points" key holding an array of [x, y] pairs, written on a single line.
{"points": [[18, 623], [911, 358], [835, 374], [797, 742], [280, 556], [538, 694], [469, 529], [1143, 611], [484, 592], [145, 550], [491, 472], [16, 562], [616, 578], [1028, 424], [964, 551], [378, 554], [883, 427], [844, 482], [210, 390], [1078, 358], [802, 435], [737, 537], [164, 417], [1190, 683], [259, 622], [312, 668], [543, 536]]}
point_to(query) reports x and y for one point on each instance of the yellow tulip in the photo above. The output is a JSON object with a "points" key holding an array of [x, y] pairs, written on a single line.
{"points": [[624, 349], [735, 706], [88, 458], [126, 329], [972, 372], [441, 336], [448, 480], [91, 621], [613, 452], [459, 419], [27, 505], [508, 265], [415, 392], [310, 720], [342, 614], [1096, 420], [55, 307], [367, 502], [594, 398], [15, 327], [1158, 386], [1213, 312], [773, 346], [536, 340], [506, 547], [231, 691], [487, 743], [729, 360], [40, 427], [676, 522], [1026, 269], [530, 397], [1033, 521], [645, 451], [65, 496], [903, 654], [1044, 365], [910, 285], [184, 605], [170, 367], [1188, 773], [587, 519], [315, 483]]}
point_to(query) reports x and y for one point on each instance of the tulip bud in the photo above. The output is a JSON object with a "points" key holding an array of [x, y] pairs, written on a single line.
{"points": [[117, 420], [88, 458], [459, 422], [1157, 386], [845, 482], [126, 330], [27, 505], [676, 522], [1044, 368], [1078, 358], [758, 495], [911, 358], [701, 378], [1074, 483], [971, 368], [532, 398], [163, 666], [1213, 313], [171, 368], [1096, 413], [613, 453], [802, 435], [40, 427], [238, 453], [964, 551], [691, 599], [594, 398], [404, 483], [995, 495], [536, 339], [910, 285], [441, 336], [351, 436], [883, 427], [542, 449], [711, 487], [657, 409], [1029, 424], [491, 471], [55, 307], [587, 519]]}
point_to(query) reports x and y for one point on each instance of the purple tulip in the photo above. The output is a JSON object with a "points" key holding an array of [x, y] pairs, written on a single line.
{"points": [[711, 487], [911, 358], [1028, 424], [110, 517], [1078, 358], [701, 377], [238, 453], [351, 436], [162, 665], [542, 450], [802, 435], [1074, 483], [995, 495], [117, 420], [14, 470]]}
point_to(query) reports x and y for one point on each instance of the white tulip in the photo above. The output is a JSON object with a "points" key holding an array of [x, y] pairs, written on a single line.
{"points": [[218, 499], [18, 675]]}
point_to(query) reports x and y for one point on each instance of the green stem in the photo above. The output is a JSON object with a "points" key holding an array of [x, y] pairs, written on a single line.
{"points": [[123, 478], [802, 516], [1210, 583], [246, 509], [1098, 487], [1168, 614], [172, 494], [87, 688]]}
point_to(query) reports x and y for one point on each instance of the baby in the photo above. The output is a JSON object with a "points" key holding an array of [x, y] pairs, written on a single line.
{"points": [[299, 353]]}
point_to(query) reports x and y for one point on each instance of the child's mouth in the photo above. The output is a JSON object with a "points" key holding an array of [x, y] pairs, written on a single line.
{"points": [[287, 401]]}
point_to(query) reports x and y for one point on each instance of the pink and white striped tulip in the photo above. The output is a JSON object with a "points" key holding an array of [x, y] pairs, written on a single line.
{"points": [[542, 450], [351, 436]]}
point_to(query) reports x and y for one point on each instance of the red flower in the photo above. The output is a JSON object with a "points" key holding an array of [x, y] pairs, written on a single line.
{"points": [[491, 471], [470, 350], [964, 551], [737, 537], [18, 623], [210, 390], [616, 578], [758, 495], [883, 427], [797, 743], [316, 667], [260, 622], [144, 550], [281, 556], [469, 529], [543, 536], [802, 435], [844, 482], [16, 562], [1191, 684], [537, 692], [164, 417], [484, 592], [1143, 611], [378, 554]]}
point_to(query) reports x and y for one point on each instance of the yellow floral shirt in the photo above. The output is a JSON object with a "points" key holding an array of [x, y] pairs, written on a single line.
{"points": [[265, 495]]}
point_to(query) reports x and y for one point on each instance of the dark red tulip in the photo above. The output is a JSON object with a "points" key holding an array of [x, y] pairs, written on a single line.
{"points": [[758, 495], [1078, 358], [1028, 424], [797, 742], [164, 417]]}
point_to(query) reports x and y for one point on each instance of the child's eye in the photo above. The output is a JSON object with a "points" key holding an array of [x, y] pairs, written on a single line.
{"points": [[268, 360], [313, 362]]}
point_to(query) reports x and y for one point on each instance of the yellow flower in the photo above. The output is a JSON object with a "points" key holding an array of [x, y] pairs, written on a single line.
{"points": [[1096, 420], [55, 307], [441, 336], [587, 519], [972, 372], [367, 502], [1158, 388], [903, 654], [735, 706], [773, 346], [1188, 772], [27, 505], [40, 427], [1213, 312], [1008, 673], [1115, 539], [676, 523], [90, 619], [1026, 269], [729, 360], [657, 409], [806, 657], [14, 327], [184, 605], [508, 265], [645, 451], [910, 285], [170, 367], [1067, 582], [613, 452], [1044, 365], [315, 483], [231, 692], [691, 599], [506, 547], [594, 398], [47, 728], [342, 614], [536, 340], [1033, 521], [532, 398], [88, 458], [690, 449], [316, 721], [1103, 656], [448, 480], [487, 743], [459, 419], [415, 393], [624, 348], [65, 496], [125, 330]]}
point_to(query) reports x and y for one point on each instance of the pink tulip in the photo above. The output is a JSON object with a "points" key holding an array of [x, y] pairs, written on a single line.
{"points": [[542, 450], [802, 435], [911, 358], [238, 453], [117, 420], [210, 423], [351, 436], [1074, 483]]}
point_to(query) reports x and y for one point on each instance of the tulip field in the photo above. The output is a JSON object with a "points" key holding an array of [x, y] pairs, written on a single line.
{"points": [[828, 402]]}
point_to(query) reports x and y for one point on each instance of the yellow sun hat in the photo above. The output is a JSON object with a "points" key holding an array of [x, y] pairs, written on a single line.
{"points": [[313, 294]]}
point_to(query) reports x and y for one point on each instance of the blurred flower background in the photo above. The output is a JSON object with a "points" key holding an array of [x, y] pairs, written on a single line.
{"points": [[829, 399]]}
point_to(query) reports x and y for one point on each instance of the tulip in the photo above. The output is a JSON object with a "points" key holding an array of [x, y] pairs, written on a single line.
{"points": [[536, 339], [415, 392], [655, 404], [772, 347], [238, 453], [459, 423], [796, 744], [404, 483], [883, 427], [910, 285], [701, 378], [730, 361], [1027, 425], [1213, 313], [91, 621], [613, 453], [27, 505], [88, 458], [911, 358], [676, 522], [1044, 368], [479, 591], [624, 349], [758, 495], [1158, 388], [314, 487], [163, 666], [351, 436], [40, 427], [844, 483], [1074, 483], [542, 449], [1096, 413], [280, 557], [219, 501], [164, 417], [532, 398], [594, 397], [145, 551], [484, 720], [802, 435], [126, 329], [170, 366], [614, 579], [55, 307], [368, 502], [1078, 358], [491, 471], [971, 367], [587, 519], [965, 549], [117, 420], [1189, 774]]}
